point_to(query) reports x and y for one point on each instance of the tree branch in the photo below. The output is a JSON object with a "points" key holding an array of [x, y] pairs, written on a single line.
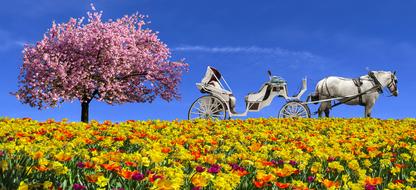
{"points": [[96, 92], [134, 74]]}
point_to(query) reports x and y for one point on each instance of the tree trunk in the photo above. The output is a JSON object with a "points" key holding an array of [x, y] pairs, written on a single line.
{"points": [[84, 111]]}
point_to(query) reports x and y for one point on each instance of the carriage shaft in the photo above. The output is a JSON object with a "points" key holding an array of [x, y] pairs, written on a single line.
{"points": [[347, 98]]}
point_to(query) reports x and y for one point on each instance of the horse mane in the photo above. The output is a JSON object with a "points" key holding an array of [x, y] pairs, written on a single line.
{"points": [[363, 77], [388, 72]]}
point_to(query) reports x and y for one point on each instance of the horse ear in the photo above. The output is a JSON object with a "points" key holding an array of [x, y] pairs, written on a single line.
{"points": [[394, 72]]}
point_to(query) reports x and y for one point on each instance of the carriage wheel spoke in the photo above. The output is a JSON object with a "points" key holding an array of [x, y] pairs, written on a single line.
{"points": [[202, 111], [290, 110], [286, 111], [302, 112], [207, 104], [299, 110], [207, 107], [202, 105], [293, 109], [218, 108], [213, 105]]}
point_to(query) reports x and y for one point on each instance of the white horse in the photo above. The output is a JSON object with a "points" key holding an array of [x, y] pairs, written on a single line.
{"points": [[370, 86]]}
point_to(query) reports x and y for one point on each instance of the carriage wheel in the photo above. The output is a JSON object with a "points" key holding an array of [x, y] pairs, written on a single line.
{"points": [[294, 109], [207, 107]]}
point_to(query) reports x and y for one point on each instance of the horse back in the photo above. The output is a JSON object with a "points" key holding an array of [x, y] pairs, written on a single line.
{"points": [[336, 87]]}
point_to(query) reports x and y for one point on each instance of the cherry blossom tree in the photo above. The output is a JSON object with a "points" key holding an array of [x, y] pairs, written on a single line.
{"points": [[116, 61]]}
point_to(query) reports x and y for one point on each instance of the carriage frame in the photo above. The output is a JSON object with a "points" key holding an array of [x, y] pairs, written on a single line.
{"points": [[216, 102]]}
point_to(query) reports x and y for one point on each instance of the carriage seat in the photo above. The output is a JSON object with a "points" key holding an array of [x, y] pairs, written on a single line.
{"points": [[261, 95], [216, 88]]}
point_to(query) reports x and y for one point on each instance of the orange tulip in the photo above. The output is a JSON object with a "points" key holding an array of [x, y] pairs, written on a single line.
{"points": [[88, 141], [20, 134], [373, 181], [89, 165], [371, 148], [400, 165], [125, 174], [258, 184], [38, 155], [255, 147], [329, 183], [267, 163], [242, 172], [63, 157], [110, 167], [41, 168], [196, 155], [91, 178], [268, 178], [165, 150], [130, 164], [282, 185]]}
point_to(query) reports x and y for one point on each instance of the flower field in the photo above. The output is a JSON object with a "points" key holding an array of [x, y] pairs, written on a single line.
{"points": [[233, 154]]}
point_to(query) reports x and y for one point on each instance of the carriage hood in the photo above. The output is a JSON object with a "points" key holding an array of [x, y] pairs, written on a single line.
{"points": [[211, 74]]}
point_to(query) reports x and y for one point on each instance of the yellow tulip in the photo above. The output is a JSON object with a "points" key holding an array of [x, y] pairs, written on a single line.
{"points": [[102, 181], [23, 186]]}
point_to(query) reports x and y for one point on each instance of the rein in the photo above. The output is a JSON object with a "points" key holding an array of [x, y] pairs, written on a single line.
{"points": [[353, 97], [377, 87], [393, 81], [377, 83]]}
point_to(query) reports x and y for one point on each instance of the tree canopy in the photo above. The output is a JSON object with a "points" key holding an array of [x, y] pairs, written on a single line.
{"points": [[116, 61]]}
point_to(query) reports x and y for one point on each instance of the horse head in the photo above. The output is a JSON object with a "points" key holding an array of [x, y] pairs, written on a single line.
{"points": [[388, 80], [392, 85]]}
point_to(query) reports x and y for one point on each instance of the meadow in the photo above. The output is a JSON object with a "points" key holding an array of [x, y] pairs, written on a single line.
{"points": [[233, 154]]}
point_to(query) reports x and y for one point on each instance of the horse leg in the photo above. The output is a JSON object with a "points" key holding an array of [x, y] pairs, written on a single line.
{"points": [[321, 109], [327, 108], [327, 112], [368, 109], [324, 107], [369, 104], [319, 112]]}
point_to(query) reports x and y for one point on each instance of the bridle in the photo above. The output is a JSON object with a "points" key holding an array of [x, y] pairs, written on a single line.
{"points": [[393, 82]]}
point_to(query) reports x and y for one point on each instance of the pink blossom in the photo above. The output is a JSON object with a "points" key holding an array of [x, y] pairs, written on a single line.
{"points": [[117, 61]]}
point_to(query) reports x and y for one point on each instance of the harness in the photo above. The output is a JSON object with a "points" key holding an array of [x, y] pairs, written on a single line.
{"points": [[377, 86], [376, 82], [358, 84], [326, 87]]}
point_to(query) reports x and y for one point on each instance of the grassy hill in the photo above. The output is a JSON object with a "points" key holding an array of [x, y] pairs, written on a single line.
{"points": [[233, 154]]}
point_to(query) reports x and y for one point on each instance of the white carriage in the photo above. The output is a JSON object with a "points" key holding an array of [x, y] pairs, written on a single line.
{"points": [[219, 102]]}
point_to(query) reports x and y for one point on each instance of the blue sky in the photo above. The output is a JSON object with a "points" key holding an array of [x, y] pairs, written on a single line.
{"points": [[243, 39]]}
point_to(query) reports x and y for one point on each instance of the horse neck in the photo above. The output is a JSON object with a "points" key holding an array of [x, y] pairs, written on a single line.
{"points": [[383, 78]]}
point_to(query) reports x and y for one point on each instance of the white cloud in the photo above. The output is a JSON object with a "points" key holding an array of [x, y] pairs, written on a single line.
{"points": [[7, 42], [296, 58], [10, 44], [250, 49]]}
